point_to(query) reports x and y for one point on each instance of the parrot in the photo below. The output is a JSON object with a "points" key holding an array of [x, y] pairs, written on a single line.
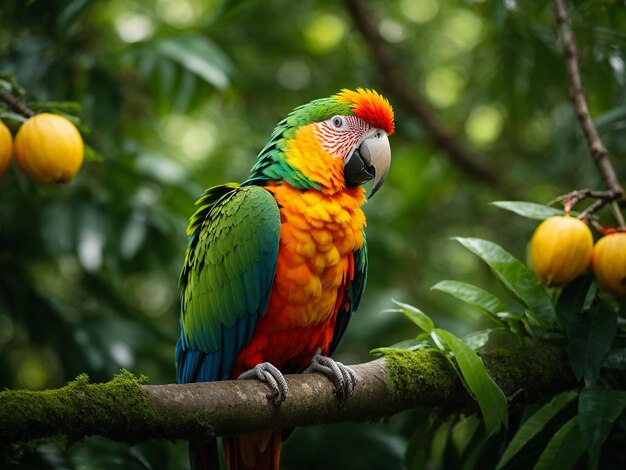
{"points": [[275, 266]]}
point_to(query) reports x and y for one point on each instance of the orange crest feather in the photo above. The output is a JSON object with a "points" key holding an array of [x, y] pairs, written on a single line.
{"points": [[370, 106]]}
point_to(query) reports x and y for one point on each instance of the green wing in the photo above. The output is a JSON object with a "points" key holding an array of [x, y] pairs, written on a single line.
{"points": [[226, 279]]}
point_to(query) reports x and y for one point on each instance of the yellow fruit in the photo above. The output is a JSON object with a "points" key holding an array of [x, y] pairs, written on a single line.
{"points": [[560, 249], [49, 149], [6, 147], [609, 263]]}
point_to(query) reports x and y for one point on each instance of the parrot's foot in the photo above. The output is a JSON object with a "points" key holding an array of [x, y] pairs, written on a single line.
{"points": [[344, 377], [266, 372]]}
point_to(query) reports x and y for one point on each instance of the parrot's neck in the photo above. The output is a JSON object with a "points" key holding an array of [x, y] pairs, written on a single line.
{"points": [[305, 153], [301, 162]]}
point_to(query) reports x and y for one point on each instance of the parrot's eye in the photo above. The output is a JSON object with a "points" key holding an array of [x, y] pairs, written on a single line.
{"points": [[338, 122]]}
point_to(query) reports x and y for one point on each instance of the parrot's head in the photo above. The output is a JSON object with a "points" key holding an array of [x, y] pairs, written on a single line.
{"points": [[330, 144]]}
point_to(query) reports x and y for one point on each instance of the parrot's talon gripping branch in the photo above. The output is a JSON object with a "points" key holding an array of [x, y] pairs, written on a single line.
{"points": [[344, 377], [266, 372]]}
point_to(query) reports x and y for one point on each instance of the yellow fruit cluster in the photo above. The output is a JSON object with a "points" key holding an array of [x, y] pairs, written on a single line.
{"points": [[48, 149], [562, 248]]}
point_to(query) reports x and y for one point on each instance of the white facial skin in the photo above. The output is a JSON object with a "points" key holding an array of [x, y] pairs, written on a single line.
{"points": [[341, 135]]}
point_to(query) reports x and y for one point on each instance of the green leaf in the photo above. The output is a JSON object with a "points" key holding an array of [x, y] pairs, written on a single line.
{"points": [[185, 91], [492, 338], [408, 344], [419, 444], [591, 296], [534, 424], [439, 443], [572, 299], [602, 30], [478, 298], [563, 450], [93, 155], [477, 339], [598, 408], [72, 108], [200, 56], [589, 338], [5, 84], [418, 317], [167, 79], [605, 120], [490, 398], [529, 209], [9, 83], [463, 432], [516, 278], [12, 116], [71, 12], [440, 343], [616, 359]]}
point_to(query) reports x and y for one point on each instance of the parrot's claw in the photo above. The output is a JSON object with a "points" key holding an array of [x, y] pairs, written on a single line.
{"points": [[266, 372], [344, 377]]}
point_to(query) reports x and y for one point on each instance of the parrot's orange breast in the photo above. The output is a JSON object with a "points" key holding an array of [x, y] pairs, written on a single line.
{"points": [[318, 237]]}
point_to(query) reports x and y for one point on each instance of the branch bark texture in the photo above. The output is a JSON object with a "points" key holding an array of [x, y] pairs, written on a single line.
{"points": [[127, 410], [15, 104]]}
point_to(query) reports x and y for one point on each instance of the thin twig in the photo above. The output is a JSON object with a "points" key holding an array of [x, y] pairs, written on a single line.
{"points": [[393, 80], [596, 206], [597, 149], [16, 104], [579, 194], [574, 197]]}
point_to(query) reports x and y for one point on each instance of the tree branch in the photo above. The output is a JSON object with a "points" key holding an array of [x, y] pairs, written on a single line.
{"points": [[597, 149], [16, 104], [393, 80], [128, 411]]}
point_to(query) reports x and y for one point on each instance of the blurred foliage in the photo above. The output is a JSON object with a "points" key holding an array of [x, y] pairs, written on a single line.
{"points": [[178, 95]]}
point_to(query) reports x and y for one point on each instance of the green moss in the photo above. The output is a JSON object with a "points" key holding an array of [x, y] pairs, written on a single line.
{"points": [[120, 410], [424, 374], [537, 368]]}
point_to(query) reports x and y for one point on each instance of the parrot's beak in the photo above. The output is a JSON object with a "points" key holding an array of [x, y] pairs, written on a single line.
{"points": [[370, 160]]}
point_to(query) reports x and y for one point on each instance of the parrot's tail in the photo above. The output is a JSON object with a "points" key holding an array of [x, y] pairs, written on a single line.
{"points": [[203, 455], [258, 451]]}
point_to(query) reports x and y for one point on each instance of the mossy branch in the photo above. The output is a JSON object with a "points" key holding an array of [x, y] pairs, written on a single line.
{"points": [[127, 410]]}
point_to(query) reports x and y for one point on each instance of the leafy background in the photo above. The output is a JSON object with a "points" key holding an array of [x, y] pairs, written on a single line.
{"points": [[179, 95]]}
